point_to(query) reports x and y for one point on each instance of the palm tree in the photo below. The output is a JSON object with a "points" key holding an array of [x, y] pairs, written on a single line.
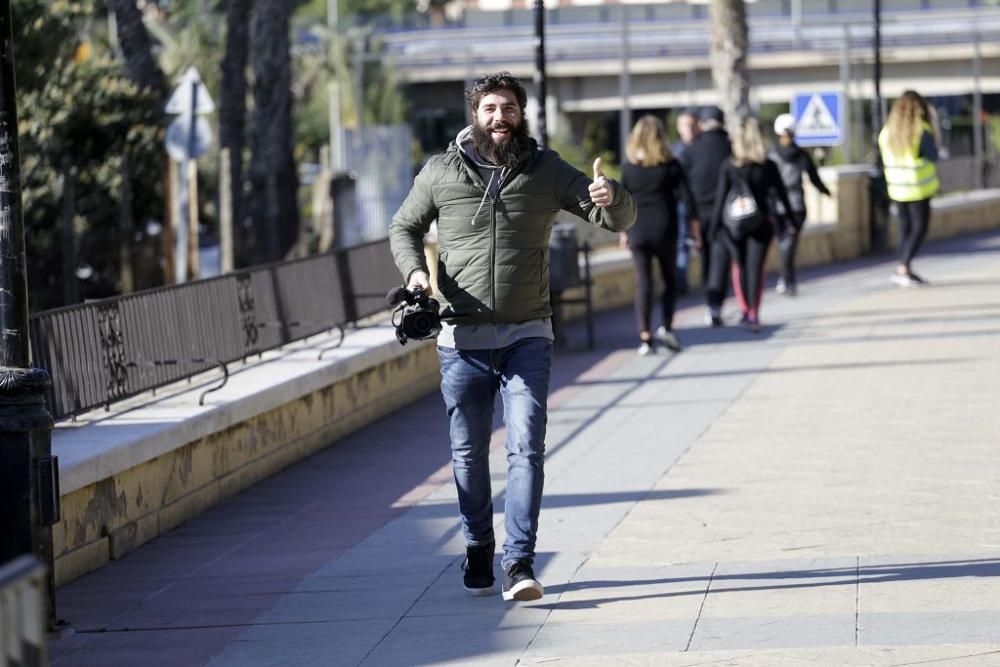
{"points": [[137, 48], [728, 52], [232, 110], [272, 168]]}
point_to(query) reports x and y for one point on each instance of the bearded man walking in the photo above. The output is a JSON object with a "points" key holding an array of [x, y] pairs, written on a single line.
{"points": [[495, 193]]}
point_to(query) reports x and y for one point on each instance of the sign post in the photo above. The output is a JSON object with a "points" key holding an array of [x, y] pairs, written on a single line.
{"points": [[188, 137]]}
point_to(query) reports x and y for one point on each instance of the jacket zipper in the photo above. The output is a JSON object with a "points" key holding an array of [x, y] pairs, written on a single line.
{"points": [[493, 260]]}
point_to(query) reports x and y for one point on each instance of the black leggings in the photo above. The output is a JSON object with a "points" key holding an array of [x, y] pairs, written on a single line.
{"points": [[665, 254], [787, 246], [746, 256], [717, 257], [749, 255], [914, 218]]}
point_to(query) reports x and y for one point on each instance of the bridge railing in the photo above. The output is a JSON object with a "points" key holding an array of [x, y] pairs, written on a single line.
{"points": [[23, 613], [107, 350], [479, 48]]}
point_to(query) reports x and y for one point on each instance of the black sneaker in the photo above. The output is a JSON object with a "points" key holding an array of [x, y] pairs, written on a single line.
{"points": [[478, 569], [519, 583]]}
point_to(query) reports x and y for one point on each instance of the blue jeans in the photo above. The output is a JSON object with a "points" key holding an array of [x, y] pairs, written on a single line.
{"points": [[470, 380]]}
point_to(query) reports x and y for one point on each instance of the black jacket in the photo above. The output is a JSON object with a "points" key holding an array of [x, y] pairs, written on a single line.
{"points": [[655, 191], [764, 180], [792, 162], [701, 161]]}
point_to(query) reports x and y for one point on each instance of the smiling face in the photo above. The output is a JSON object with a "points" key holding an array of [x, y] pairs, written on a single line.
{"points": [[499, 114], [500, 131]]}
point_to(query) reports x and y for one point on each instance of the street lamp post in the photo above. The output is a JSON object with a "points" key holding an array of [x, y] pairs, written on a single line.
{"points": [[878, 214], [29, 489], [539, 75], [877, 72]]}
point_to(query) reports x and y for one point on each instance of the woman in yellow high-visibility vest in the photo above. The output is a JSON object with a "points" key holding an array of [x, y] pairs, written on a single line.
{"points": [[908, 152]]}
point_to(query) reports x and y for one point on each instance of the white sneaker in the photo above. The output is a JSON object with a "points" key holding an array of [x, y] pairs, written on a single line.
{"points": [[668, 338], [903, 280], [780, 287], [645, 349]]}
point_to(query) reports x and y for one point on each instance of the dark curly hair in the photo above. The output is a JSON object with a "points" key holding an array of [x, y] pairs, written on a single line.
{"points": [[494, 82]]}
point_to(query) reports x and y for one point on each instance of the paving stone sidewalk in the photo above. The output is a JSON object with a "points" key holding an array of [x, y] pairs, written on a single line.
{"points": [[823, 492]]}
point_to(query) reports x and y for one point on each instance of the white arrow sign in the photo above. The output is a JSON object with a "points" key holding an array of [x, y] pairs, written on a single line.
{"points": [[182, 145], [190, 86]]}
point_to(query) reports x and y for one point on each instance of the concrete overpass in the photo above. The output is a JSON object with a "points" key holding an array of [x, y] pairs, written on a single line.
{"points": [[662, 62]]}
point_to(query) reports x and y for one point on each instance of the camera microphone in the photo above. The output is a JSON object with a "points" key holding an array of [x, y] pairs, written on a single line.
{"points": [[395, 295]]}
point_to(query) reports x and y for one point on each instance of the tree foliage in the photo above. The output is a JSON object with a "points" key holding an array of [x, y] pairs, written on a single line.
{"points": [[87, 106], [80, 114]]}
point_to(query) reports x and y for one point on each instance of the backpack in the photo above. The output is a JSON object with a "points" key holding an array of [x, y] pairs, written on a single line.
{"points": [[740, 213]]}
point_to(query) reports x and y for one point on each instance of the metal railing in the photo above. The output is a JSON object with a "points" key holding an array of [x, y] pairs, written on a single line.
{"points": [[111, 349], [22, 613], [651, 37]]}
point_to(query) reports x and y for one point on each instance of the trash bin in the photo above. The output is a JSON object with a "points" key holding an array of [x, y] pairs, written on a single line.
{"points": [[564, 268]]}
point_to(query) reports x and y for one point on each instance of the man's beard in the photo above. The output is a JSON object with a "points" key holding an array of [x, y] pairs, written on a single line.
{"points": [[507, 152]]}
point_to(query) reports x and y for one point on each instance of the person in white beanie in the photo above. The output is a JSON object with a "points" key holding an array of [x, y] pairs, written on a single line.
{"points": [[792, 163]]}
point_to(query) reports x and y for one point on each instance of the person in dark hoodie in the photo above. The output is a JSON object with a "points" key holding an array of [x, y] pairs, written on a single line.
{"points": [[792, 163], [702, 161], [495, 194]]}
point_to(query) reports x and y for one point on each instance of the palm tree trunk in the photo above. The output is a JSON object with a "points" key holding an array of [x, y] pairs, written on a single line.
{"points": [[272, 168], [232, 116], [728, 53], [137, 48]]}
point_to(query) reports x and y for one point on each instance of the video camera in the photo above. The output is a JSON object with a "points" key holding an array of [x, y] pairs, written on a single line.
{"points": [[419, 315]]}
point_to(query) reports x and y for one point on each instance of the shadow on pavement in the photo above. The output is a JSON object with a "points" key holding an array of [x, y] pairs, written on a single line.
{"points": [[782, 369], [798, 578]]}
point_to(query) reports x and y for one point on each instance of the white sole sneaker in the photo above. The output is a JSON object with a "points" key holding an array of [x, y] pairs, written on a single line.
{"points": [[525, 591], [480, 592], [668, 339], [903, 281]]}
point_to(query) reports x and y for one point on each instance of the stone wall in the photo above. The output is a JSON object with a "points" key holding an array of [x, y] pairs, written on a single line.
{"points": [[114, 515]]}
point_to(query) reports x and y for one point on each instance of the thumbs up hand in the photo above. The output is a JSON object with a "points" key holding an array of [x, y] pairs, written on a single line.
{"points": [[602, 192]]}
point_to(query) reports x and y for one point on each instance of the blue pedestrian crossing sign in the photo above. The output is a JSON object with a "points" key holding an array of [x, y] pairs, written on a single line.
{"points": [[818, 118]]}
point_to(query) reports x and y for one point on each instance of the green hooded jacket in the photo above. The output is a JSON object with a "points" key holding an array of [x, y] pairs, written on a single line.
{"points": [[493, 264]]}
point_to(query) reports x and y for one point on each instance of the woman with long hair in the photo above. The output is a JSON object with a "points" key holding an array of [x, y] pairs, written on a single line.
{"points": [[908, 153], [746, 222], [654, 178]]}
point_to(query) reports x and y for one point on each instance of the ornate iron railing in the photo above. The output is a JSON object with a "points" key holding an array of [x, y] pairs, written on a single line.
{"points": [[111, 349]]}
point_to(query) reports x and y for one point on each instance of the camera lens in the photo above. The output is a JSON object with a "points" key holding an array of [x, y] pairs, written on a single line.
{"points": [[423, 325]]}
